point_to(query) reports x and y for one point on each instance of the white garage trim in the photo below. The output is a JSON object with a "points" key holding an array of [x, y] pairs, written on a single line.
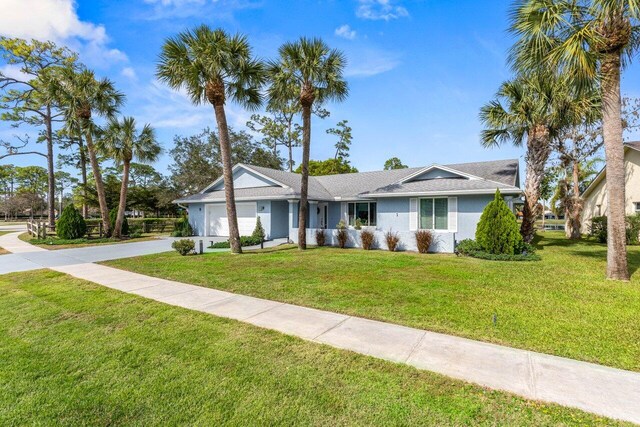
{"points": [[217, 224]]}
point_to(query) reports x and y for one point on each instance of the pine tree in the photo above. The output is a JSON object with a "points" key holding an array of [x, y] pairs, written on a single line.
{"points": [[258, 232], [71, 225], [498, 231]]}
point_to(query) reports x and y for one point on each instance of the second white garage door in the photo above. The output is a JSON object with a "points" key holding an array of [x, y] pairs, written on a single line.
{"points": [[219, 225]]}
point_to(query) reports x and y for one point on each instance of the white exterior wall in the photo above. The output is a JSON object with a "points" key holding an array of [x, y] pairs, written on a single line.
{"points": [[598, 195]]}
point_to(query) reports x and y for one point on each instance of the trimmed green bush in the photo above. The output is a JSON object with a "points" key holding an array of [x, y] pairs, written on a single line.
{"points": [[467, 245], [182, 228], [598, 229], [71, 225], [184, 246], [244, 241], [258, 232], [113, 215], [498, 231]]}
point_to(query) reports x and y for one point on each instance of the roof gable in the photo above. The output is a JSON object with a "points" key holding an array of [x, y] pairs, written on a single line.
{"points": [[244, 177], [436, 172]]}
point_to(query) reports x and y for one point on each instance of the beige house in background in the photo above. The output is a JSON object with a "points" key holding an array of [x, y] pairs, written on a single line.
{"points": [[595, 196]]}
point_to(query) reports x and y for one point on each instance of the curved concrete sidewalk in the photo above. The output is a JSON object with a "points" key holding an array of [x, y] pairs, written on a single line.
{"points": [[602, 390]]}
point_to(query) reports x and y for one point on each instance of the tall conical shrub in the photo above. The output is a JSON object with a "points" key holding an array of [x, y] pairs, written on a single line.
{"points": [[113, 215], [71, 225], [498, 231]]}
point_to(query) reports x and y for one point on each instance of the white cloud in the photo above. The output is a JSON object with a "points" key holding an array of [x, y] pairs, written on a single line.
{"points": [[346, 32], [129, 73], [369, 62], [13, 72], [163, 107], [218, 9], [385, 10], [58, 21]]}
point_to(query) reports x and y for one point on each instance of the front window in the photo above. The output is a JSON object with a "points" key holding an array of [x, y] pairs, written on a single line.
{"points": [[434, 214], [364, 211], [637, 207]]}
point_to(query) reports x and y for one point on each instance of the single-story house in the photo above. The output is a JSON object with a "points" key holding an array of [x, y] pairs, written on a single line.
{"points": [[447, 199], [595, 196]]}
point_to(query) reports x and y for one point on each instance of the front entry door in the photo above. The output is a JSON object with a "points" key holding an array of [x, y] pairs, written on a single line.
{"points": [[323, 214]]}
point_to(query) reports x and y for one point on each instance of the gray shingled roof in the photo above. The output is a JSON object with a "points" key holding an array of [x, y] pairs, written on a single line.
{"points": [[501, 174]]}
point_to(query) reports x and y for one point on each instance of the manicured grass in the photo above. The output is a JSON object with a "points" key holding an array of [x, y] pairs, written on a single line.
{"points": [[74, 353], [54, 243], [561, 305]]}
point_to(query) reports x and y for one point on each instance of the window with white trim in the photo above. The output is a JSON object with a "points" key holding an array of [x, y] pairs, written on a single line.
{"points": [[637, 205], [365, 211], [434, 213]]}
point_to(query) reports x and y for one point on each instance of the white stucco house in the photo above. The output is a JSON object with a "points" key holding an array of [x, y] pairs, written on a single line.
{"points": [[595, 196], [447, 199]]}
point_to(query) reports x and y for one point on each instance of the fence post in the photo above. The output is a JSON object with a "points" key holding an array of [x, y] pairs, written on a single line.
{"points": [[100, 229]]}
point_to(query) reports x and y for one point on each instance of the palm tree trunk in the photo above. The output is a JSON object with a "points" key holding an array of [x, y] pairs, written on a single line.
{"points": [[574, 206], [304, 182], [51, 190], [83, 170], [617, 267], [97, 175], [227, 173], [538, 151], [117, 232]]}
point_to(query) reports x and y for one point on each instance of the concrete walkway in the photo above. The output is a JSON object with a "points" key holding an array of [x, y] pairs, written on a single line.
{"points": [[602, 390]]}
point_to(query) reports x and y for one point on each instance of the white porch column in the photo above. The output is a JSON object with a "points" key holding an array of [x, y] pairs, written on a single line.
{"points": [[293, 214], [313, 214]]}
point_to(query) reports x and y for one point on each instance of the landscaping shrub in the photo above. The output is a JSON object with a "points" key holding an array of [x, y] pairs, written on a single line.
{"points": [[182, 228], [342, 235], [368, 239], [71, 225], [258, 232], [320, 237], [598, 229], [244, 241], [424, 238], [392, 239], [357, 224], [184, 246], [113, 215], [469, 247], [498, 231]]}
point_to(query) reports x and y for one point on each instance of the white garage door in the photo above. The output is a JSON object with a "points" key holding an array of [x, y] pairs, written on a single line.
{"points": [[219, 225]]}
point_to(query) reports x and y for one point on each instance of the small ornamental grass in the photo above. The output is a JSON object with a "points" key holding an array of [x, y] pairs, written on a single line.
{"points": [[320, 237], [424, 238], [393, 239], [184, 246], [368, 239], [342, 234]]}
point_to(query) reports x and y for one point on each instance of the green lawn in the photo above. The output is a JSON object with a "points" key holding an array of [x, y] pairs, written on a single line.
{"points": [[74, 353], [3, 250], [561, 305]]}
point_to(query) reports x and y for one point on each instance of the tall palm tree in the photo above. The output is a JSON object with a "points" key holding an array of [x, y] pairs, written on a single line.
{"points": [[213, 66], [309, 72], [533, 109], [122, 142], [587, 40], [82, 96]]}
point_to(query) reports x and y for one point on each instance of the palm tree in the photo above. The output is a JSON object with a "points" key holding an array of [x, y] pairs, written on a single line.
{"points": [[213, 66], [309, 72], [534, 108], [81, 96], [123, 143], [588, 41]]}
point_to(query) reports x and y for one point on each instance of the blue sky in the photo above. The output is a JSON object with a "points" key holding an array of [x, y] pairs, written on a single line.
{"points": [[418, 70]]}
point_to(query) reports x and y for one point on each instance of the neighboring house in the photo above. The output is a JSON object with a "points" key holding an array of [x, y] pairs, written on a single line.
{"points": [[595, 196], [447, 199]]}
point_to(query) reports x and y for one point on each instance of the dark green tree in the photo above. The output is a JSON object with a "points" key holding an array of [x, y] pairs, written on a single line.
{"points": [[498, 231], [71, 225], [394, 163]]}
